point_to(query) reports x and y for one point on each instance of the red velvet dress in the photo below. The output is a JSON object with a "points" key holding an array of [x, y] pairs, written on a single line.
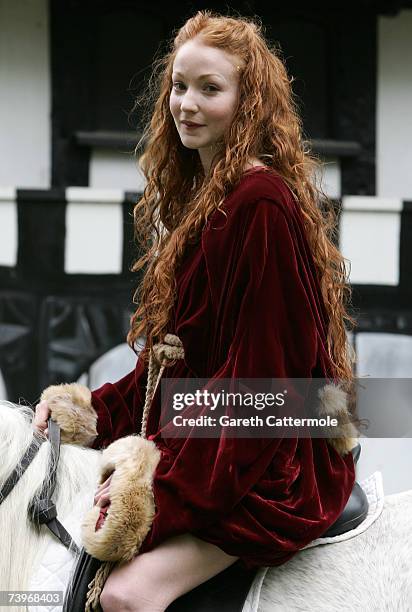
{"points": [[248, 306]]}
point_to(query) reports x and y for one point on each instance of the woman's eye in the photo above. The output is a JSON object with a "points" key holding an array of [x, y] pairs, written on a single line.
{"points": [[176, 86]]}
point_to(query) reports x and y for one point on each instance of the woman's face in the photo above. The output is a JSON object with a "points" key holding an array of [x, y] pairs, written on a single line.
{"points": [[204, 91]]}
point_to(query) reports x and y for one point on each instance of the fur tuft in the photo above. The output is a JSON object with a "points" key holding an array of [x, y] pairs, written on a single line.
{"points": [[132, 460], [71, 407], [334, 402]]}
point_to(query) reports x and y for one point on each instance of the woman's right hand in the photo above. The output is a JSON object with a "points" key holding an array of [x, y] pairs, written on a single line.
{"points": [[41, 417]]}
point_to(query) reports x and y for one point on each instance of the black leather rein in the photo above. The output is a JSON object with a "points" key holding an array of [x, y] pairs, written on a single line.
{"points": [[42, 510]]}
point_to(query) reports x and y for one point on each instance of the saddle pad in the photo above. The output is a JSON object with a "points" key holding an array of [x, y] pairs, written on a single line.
{"points": [[57, 563], [373, 487]]}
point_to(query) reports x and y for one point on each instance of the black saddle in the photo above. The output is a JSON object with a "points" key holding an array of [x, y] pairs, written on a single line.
{"points": [[228, 590], [355, 510]]}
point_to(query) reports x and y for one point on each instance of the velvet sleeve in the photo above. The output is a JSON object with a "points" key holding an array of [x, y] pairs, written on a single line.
{"points": [[260, 296], [119, 407]]}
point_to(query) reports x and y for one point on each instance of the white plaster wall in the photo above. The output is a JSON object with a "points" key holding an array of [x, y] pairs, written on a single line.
{"points": [[8, 227], [369, 238], [394, 106], [24, 94], [115, 170], [330, 177], [94, 231]]}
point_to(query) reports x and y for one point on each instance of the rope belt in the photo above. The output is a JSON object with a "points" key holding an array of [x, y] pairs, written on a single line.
{"points": [[163, 355]]}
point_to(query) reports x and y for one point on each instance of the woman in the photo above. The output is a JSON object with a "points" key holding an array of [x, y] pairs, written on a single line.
{"points": [[241, 267]]}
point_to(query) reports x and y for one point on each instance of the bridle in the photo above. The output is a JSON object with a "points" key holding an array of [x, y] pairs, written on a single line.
{"points": [[42, 510]]}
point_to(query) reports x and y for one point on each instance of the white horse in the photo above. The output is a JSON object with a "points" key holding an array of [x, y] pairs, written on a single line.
{"points": [[372, 571]]}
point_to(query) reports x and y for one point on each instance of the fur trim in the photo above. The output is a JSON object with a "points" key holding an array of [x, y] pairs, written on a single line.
{"points": [[71, 407], [334, 402], [132, 460]]}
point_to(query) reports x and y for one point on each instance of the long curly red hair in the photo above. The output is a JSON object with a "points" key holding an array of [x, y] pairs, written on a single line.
{"points": [[177, 200]]}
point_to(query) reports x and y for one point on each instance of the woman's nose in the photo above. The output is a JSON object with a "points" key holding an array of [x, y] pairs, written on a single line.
{"points": [[188, 103]]}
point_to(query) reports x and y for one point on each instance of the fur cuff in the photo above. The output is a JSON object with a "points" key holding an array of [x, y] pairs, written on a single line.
{"points": [[71, 407], [334, 402], [132, 460]]}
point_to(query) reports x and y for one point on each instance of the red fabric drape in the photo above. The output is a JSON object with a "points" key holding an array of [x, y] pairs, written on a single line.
{"points": [[248, 306]]}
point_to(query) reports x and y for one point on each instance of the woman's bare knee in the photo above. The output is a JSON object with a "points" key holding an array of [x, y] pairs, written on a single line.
{"points": [[180, 564], [153, 580], [115, 597], [110, 600], [132, 587]]}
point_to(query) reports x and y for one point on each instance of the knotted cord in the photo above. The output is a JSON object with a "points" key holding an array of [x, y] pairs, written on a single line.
{"points": [[164, 354]]}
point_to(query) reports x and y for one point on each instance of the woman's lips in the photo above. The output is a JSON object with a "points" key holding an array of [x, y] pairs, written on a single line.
{"points": [[191, 127]]}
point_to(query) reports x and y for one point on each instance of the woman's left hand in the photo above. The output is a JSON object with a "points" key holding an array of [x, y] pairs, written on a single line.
{"points": [[102, 496]]}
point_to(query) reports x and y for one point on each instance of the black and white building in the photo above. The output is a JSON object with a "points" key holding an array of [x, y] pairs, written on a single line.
{"points": [[69, 72]]}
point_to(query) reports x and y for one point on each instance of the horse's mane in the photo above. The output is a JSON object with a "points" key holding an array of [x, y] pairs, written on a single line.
{"points": [[22, 544]]}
